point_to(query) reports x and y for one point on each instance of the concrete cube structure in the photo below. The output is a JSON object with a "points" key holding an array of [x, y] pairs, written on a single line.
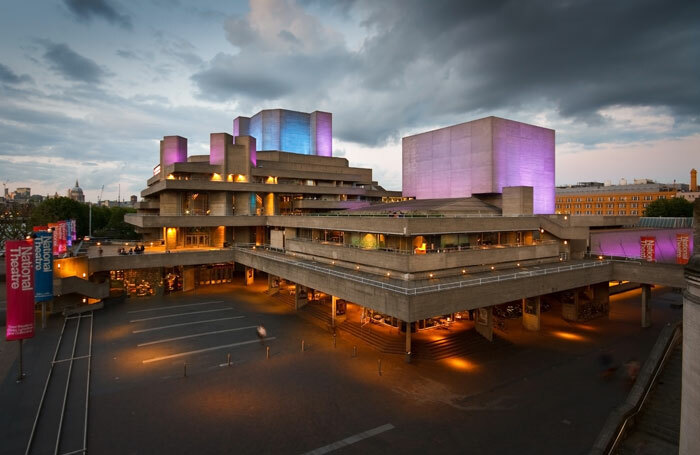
{"points": [[480, 157], [289, 131]]}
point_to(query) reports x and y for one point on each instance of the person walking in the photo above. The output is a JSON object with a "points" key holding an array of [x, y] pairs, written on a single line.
{"points": [[262, 333]]}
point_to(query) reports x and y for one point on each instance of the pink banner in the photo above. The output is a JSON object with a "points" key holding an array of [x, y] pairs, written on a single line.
{"points": [[682, 248], [62, 237], [19, 263], [54, 230], [648, 248]]}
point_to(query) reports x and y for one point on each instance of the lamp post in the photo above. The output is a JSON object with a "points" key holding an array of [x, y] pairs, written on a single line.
{"points": [[90, 220]]}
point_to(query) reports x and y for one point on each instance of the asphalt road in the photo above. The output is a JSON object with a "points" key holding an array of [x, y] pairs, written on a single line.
{"points": [[542, 394]]}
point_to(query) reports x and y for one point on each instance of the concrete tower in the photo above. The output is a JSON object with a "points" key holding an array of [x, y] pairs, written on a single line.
{"points": [[690, 399], [693, 180]]}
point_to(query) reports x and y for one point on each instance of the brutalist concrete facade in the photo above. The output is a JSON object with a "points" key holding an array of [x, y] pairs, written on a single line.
{"points": [[481, 157]]}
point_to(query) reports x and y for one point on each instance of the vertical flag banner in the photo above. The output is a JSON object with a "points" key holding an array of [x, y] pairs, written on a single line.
{"points": [[69, 233], [61, 227], [682, 248], [74, 230], [19, 263], [43, 267], [54, 230], [648, 248]]}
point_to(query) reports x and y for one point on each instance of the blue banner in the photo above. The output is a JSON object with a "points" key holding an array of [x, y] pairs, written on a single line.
{"points": [[43, 266], [69, 233]]}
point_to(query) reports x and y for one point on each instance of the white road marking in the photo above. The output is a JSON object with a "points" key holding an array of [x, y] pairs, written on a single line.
{"points": [[194, 335], [198, 351], [179, 314], [185, 323], [351, 440], [176, 306]]}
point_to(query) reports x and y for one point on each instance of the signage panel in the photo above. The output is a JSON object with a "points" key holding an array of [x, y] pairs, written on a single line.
{"points": [[647, 248], [19, 263], [43, 267]]}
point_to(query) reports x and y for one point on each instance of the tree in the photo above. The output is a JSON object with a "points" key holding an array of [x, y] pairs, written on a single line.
{"points": [[673, 207]]}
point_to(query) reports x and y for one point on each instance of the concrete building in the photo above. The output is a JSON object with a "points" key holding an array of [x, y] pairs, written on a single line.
{"points": [[480, 157], [595, 198]]}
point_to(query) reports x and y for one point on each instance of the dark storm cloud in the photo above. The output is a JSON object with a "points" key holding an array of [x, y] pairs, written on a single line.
{"points": [[85, 10], [452, 58], [10, 77], [72, 65]]}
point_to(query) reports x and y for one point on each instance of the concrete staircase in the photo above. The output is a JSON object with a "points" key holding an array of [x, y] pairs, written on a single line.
{"points": [[383, 343], [76, 285], [459, 345], [657, 427]]}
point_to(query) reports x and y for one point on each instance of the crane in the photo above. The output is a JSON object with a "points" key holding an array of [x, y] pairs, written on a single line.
{"points": [[99, 198]]}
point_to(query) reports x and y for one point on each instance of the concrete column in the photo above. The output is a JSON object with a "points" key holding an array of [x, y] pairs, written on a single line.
{"points": [[690, 398], [408, 342], [245, 203], [249, 276], [484, 322], [271, 204], [646, 305], [188, 277], [334, 306], [532, 313], [220, 203]]}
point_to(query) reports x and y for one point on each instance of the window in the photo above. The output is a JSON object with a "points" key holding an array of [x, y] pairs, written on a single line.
{"points": [[622, 212], [647, 198], [635, 198], [589, 199], [621, 205], [623, 198], [645, 205], [598, 206], [578, 206], [600, 199], [633, 212], [599, 212], [611, 206], [633, 205], [195, 204], [661, 197], [611, 212], [588, 206], [588, 212], [568, 200], [610, 199]]}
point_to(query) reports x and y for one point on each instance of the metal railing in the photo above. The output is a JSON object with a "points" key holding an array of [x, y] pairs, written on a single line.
{"points": [[428, 251], [260, 250]]}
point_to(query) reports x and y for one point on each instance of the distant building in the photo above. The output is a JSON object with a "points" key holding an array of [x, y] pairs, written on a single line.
{"points": [[76, 193], [133, 200], [595, 198]]}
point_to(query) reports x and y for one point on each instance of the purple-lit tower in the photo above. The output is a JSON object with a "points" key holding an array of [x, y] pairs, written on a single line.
{"points": [[480, 157]]}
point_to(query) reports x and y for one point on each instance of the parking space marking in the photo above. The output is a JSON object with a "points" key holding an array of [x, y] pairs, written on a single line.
{"points": [[195, 335], [351, 440], [199, 351], [179, 314], [184, 324], [176, 306]]}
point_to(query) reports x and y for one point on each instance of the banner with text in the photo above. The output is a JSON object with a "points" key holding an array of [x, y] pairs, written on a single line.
{"points": [[648, 248], [682, 248], [43, 267], [19, 258]]}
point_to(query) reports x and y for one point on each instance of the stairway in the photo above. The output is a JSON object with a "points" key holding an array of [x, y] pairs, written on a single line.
{"points": [[657, 427], [460, 345], [388, 344]]}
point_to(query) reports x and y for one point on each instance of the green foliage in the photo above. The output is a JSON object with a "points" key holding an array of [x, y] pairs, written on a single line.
{"points": [[673, 207], [106, 221]]}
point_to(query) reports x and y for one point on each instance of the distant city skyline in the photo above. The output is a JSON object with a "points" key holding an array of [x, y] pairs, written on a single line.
{"points": [[89, 88]]}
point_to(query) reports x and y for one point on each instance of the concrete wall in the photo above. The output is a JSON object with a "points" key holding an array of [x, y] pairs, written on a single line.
{"points": [[481, 156], [221, 203], [169, 203], [517, 200]]}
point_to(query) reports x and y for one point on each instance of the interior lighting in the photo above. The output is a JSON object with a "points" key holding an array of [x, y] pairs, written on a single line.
{"points": [[561, 259], [518, 264], [58, 265], [493, 268], [170, 177], [566, 217], [431, 275], [333, 262], [357, 267], [388, 273], [541, 230], [464, 271], [84, 275], [241, 178], [216, 177], [229, 178], [600, 257], [84, 300], [100, 243], [566, 242]]}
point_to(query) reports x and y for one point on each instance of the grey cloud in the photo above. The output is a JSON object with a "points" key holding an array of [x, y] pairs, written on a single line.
{"points": [[72, 65], [127, 54], [457, 59], [10, 77], [85, 10], [289, 37]]}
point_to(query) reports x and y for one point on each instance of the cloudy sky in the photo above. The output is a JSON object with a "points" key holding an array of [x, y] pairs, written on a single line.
{"points": [[88, 87]]}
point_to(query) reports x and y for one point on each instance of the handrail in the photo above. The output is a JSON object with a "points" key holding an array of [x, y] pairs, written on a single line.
{"points": [[616, 425], [405, 290]]}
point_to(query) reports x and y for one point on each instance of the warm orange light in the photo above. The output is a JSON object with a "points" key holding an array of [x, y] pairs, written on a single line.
{"points": [[84, 275], [99, 243], [271, 179], [170, 177], [461, 364], [600, 257], [568, 336], [388, 274], [241, 178], [518, 264], [58, 265], [493, 268], [464, 271], [566, 242], [229, 178], [216, 177], [431, 275], [357, 267]]}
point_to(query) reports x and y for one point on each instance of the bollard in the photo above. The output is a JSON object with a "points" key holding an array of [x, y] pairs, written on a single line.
{"points": [[228, 359], [334, 340], [184, 375], [268, 352], [379, 366], [302, 345], [354, 351]]}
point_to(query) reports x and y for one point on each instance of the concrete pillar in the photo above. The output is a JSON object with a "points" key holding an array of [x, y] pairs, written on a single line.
{"points": [[408, 342], [249, 276], [334, 306], [646, 305], [532, 313], [484, 322], [245, 203], [690, 376], [220, 203], [188, 277], [271, 204]]}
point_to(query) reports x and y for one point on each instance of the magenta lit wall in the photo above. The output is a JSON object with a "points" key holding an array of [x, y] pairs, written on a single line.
{"points": [[626, 242], [322, 133], [217, 147], [174, 150], [481, 156]]}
